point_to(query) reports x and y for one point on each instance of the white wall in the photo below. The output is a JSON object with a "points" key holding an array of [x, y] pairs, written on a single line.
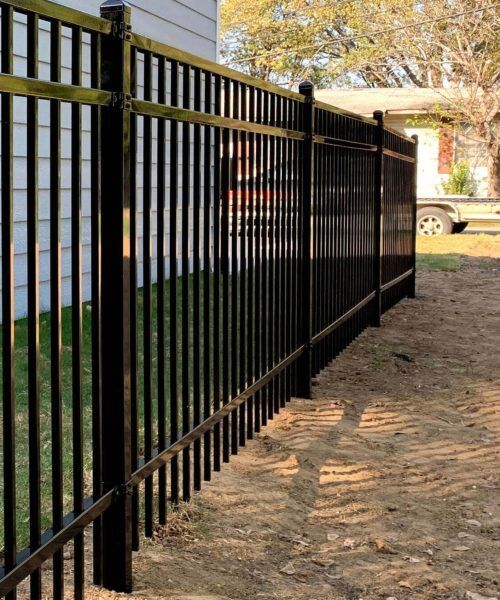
{"points": [[428, 178], [186, 24], [190, 25]]}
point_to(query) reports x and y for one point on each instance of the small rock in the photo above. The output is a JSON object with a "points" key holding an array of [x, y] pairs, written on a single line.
{"points": [[331, 537], [391, 598], [405, 584], [323, 562], [349, 543], [461, 548], [412, 559], [300, 541], [335, 577], [288, 569], [473, 522], [402, 356], [463, 535]]}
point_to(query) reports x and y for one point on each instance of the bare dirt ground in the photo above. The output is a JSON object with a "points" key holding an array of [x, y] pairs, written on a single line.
{"points": [[386, 485]]}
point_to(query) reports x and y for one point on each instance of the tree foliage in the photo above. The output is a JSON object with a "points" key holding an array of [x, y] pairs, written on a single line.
{"points": [[385, 43]]}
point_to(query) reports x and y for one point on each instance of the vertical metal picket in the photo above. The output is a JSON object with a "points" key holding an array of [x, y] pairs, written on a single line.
{"points": [[116, 356], [32, 215], [378, 115], [411, 292], [306, 250], [8, 309]]}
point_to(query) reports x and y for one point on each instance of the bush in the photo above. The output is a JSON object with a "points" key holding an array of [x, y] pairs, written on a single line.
{"points": [[459, 183]]}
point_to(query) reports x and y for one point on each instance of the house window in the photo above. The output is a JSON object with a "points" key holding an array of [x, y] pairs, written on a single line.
{"points": [[446, 150]]}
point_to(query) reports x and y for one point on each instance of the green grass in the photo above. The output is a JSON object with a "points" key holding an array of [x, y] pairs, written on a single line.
{"points": [[21, 388], [21, 421], [439, 262]]}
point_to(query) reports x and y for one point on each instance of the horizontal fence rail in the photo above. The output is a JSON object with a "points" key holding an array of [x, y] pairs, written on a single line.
{"points": [[238, 237]]}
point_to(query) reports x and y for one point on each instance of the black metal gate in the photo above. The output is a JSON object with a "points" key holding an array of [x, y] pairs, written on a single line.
{"points": [[240, 236]]}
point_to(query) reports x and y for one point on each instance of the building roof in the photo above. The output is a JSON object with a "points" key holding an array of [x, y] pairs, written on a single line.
{"points": [[365, 101]]}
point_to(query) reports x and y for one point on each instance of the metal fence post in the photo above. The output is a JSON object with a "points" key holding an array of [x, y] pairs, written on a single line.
{"points": [[116, 356], [378, 115], [306, 88], [411, 292]]}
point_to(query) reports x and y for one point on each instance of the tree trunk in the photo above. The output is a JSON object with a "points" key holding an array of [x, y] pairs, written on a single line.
{"points": [[493, 172]]}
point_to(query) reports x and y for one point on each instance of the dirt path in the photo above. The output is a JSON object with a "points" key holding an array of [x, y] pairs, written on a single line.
{"points": [[386, 485]]}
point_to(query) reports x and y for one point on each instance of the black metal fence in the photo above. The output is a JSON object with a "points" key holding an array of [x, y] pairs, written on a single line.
{"points": [[241, 236]]}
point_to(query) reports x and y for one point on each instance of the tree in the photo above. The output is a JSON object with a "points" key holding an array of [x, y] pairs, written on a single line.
{"points": [[452, 46]]}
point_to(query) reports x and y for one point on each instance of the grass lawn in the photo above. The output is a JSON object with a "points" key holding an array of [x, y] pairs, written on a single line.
{"points": [[445, 253], [21, 421], [21, 386], [439, 262]]}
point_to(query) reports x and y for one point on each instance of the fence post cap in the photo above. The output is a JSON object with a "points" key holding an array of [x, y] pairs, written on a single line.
{"points": [[306, 88], [115, 6], [378, 115]]}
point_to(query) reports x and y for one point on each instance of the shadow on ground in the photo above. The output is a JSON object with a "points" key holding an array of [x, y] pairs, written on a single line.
{"points": [[385, 485]]}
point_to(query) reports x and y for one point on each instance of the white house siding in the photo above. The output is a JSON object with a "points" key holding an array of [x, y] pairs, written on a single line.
{"points": [[186, 24], [190, 25], [429, 179]]}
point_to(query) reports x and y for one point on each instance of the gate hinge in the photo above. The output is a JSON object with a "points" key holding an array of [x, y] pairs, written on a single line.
{"points": [[121, 30], [121, 101]]}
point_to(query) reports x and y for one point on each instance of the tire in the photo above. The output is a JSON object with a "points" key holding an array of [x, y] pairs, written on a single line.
{"points": [[459, 227], [433, 221]]}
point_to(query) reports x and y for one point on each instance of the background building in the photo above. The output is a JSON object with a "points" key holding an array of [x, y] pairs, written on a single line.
{"points": [[438, 147]]}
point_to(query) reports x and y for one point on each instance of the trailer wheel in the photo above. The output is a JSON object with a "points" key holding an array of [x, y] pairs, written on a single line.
{"points": [[459, 227], [433, 221]]}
